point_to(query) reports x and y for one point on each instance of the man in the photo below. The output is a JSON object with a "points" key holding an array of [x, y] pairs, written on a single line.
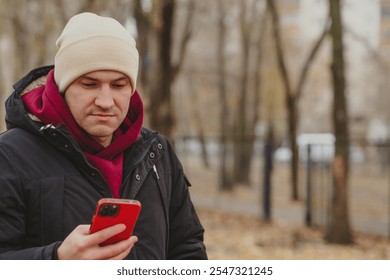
{"points": [[75, 136]]}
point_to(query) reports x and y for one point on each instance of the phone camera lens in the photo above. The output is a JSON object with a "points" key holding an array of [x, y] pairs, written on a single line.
{"points": [[109, 210]]}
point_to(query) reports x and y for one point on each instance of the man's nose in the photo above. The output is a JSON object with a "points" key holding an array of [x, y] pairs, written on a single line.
{"points": [[104, 98]]}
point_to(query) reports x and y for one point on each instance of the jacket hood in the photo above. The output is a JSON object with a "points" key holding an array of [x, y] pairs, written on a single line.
{"points": [[16, 113]]}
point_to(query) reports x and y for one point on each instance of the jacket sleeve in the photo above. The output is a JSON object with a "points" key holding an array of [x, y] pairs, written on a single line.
{"points": [[13, 217], [37, 253], [186, 232]]}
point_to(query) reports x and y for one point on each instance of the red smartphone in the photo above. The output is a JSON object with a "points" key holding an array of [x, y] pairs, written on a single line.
{"points": [[112, 211]]}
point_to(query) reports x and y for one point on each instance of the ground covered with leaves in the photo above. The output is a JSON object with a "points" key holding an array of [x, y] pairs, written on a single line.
{"points": [[235, 230], [235, 236]]}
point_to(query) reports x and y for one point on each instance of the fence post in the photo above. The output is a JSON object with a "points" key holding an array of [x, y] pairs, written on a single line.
{"points": [[268, 166], [388, 169], [308, 188]]}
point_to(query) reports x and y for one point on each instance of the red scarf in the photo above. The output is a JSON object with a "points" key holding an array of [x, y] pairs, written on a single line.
{"points": [[46, 103]]}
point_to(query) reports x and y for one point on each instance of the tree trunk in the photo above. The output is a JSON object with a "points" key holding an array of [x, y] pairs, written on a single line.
{"points": [[157, 69], [161, 111], [143, 27], [197, 116], [338, 230], [241, 158], [225, 182], [244, 138]]}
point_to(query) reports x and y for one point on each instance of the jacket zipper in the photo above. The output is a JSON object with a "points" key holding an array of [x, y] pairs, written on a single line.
{"points": [[155, 172]]}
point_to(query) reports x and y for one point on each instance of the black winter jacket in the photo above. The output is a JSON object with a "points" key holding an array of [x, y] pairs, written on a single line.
{"points": [[48, 187]]}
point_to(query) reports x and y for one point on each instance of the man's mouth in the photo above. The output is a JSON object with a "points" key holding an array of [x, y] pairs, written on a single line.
{"points": [[103, 116]]}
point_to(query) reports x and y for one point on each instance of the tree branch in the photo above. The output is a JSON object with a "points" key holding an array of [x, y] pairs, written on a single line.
{"points": [[186, 37], [278, 43], [310, 58]]}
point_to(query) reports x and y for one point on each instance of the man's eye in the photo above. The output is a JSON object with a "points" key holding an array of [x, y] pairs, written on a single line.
{"points": [[88, 84], [118, 85]]}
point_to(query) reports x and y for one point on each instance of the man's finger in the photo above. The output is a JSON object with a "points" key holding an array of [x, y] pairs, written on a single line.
{"points": [[120, 250], [104, 234]]}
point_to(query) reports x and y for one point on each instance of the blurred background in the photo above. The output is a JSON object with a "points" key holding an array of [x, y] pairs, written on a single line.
{"points": [[276, 108]]}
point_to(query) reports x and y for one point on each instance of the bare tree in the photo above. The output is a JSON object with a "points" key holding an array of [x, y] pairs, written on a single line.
{"points": [[26, 44], [338, 230], [292, 96], [161, 69], [225, 182], [197, 117], [247, 116], [161, 76], [143, 27], [241, 167]]}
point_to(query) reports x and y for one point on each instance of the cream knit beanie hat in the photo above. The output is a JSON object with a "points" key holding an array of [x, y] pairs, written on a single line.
{"points": [[89, 43]]}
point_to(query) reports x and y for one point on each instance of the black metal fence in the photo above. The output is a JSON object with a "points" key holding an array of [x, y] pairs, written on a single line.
{"points": [[368, 188]]}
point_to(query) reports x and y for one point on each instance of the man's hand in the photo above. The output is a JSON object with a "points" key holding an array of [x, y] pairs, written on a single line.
{"points": [[80, 245]]}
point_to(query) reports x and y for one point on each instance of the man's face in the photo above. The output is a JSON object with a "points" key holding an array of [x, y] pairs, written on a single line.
{"points": [[99, 102]]}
